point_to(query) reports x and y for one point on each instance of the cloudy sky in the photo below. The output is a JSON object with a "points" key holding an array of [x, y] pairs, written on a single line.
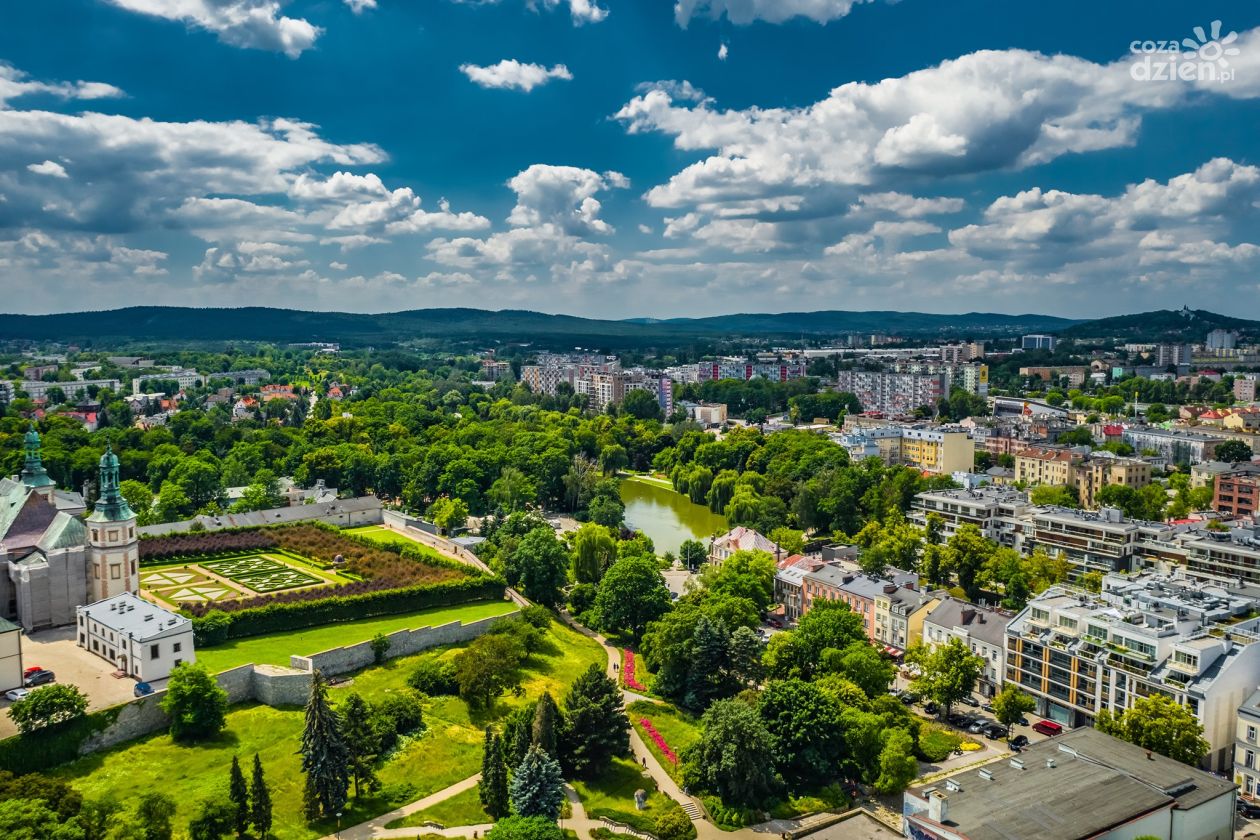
{"points": [[623, 158]]}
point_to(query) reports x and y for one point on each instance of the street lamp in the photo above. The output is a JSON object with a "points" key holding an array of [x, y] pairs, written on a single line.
{"points": [[338, 824]]}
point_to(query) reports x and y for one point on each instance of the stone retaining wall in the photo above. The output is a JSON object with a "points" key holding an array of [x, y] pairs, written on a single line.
{"points": [[401, 643], [268, 684]]}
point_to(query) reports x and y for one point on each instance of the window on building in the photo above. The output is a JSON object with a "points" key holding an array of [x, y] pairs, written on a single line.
{"points": [[1038, 614], [177, 647], [1182, 657], [113, 535], [96, 572], [1067, 622], [114, 572], [1249, 759], [1251, 734], [179, 661], [131, 533], [153, 651]]}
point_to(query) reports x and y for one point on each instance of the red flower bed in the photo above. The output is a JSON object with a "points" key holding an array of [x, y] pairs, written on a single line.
{"points": [[658, 739], [627, 671]]}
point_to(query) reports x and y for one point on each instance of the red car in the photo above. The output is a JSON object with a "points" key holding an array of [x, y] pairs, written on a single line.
{"points": [[1047, 727], [32, 670]]}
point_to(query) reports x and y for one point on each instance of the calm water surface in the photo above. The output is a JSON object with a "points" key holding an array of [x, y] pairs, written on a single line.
{"points": [[667, 517]]}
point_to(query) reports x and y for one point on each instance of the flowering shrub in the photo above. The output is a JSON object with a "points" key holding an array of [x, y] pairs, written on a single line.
{"points": [[627, 671], [658, 739]]}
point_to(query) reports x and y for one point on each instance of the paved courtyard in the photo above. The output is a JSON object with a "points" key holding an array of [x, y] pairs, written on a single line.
{"points": [[57, 651]]}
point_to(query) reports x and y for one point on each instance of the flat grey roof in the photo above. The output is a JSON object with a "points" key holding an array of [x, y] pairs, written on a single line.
{"points": [[1096, 783], [131, 615]]}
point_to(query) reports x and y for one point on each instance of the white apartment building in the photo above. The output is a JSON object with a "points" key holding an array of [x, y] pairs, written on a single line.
{"points": [[184, 377], [1178, 446], [138, 638], [76, 390], [981, 629], [1078, 653]]}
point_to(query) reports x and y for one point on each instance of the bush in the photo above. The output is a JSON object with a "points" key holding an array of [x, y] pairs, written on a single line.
{"points": [[538, 616], [435, 678], [936, 744], [728, 817], [380, 647], [404, 709], [48, 705], [525, 828], [674, 824]]}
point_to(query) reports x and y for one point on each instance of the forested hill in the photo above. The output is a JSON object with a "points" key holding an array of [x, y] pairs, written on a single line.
{"points": [[1186, 325], [288, 325]]}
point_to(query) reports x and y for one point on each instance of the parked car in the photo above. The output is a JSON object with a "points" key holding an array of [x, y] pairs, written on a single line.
{"points": [[931, 708], [32, 669], [39, 677], [142, 688], [15, 694], [1018, 742], [774, 622], [988, 707], [962, 721], [995, 732], [979, 726], [1249, 810], [1048, 727], [970, 701], [909, 698]]}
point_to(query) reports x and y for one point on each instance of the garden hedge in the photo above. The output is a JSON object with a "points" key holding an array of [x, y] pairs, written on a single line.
{"points": [[215, 626]]}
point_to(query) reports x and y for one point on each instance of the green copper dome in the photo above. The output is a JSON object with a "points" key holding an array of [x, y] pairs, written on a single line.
{"points": [[110, 504], [33, 473]]}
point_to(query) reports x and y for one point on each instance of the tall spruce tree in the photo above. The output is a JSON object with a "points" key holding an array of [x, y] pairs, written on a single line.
{"points": [[537, 788], [595, 724], [260, 801], [710, 677], [325, 758], [546, 723], [362, 742], [494, 777], [518, 733], [238, 792]]}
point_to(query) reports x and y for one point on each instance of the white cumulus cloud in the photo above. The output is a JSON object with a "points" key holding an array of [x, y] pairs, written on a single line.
{"points": [[49, 167], [514, 75], [254, 24]]}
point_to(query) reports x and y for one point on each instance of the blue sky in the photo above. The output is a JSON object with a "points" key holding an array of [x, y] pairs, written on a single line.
{"points": [[619, 159]]}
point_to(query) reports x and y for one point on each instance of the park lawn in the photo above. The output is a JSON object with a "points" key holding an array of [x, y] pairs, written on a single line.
{"points": [[449, 749], [381, 535], [461, 809], [276, 648], [612, 796], [641, 674], [679, 729]]}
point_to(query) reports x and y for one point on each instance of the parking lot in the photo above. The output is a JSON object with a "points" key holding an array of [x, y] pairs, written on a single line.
{"points": [[57, 651]]}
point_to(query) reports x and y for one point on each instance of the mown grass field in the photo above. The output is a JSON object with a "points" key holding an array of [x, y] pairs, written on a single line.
{"points": [[276, 648], [448, 751], [460, 809]]}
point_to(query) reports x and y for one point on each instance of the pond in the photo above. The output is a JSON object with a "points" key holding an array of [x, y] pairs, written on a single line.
{"points": [[668, 517]]}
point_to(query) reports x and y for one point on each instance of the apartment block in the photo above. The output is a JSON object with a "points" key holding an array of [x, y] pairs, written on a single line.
{"points": [[780, 371], [1038, 342], [1178, 446], [890, 392], [981, 629], [1078, 653], [1237, 491]]}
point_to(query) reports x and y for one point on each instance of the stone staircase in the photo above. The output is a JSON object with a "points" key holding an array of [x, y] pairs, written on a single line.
{"points": [[692, 810]]}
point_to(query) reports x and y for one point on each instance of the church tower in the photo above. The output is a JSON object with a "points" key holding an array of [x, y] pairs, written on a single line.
{"points": [[34, 476], [113, 546]]}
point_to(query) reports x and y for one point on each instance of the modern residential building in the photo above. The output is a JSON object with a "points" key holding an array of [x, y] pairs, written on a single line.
{"points": [[1078, 653], [1221, 340], [1038, 342], [981, 629], [140, 639], [1177, 445], [997, 511], [1082, 785], [249, 376], [1237, 491], [971, 377], [493, 370], [1074, 374], [1245, 388]]}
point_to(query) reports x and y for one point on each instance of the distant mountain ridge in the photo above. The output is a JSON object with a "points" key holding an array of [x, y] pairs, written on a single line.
{"points": [[1176, 325], [289, 325]]}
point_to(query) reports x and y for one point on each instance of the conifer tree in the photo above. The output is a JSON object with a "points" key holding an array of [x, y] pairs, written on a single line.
{"points": [[595, 724], [362, 743], [537, 787], [260, 801], [238, 792], [494, 781], [325, 758], [546, 722]]}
